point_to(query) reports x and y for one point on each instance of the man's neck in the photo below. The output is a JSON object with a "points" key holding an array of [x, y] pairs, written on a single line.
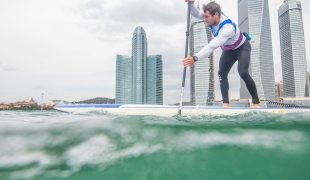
{"points": [[217, 21]]}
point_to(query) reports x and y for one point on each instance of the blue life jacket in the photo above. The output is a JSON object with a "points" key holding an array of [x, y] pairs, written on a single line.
{"points": [[227, 21]]}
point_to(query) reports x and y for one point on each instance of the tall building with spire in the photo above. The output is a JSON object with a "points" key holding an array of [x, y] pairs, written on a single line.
{"points": [[253, 18], [293, 51], [202, 72], [139, 77], [139, 55]]}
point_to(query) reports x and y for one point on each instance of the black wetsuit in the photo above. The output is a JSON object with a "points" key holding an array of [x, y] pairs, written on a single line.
{"points": [[227, 60]]}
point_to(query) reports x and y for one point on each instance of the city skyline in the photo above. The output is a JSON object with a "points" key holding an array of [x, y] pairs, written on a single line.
{"points": [[139, 78], [67, 49]]}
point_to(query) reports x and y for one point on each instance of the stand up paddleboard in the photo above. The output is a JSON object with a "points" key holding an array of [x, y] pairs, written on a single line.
{"points": [[165, 110]]}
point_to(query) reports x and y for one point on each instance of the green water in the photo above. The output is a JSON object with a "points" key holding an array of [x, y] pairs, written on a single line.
{"points": [[54, 145]]}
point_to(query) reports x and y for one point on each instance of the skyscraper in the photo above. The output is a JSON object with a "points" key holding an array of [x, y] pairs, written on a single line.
{"points": [[202, 72], [154, 83], [253, 18], [139, 77], [308, 79], [293, 51], [139, 55], [123, 80]]}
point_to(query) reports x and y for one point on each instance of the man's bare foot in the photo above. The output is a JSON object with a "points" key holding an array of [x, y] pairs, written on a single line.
{"points": [[256, 106], [225, 105]]}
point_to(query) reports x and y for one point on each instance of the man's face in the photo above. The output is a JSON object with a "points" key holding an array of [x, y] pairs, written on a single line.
{"points": [[211, 20]]}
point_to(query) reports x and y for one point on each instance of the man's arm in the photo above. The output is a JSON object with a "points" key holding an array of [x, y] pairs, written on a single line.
{"points": [[228, 31], [194, 10]]}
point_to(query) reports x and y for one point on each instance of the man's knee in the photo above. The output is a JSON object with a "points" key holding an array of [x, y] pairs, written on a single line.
{"points": [[222, 75], [244, 74]]}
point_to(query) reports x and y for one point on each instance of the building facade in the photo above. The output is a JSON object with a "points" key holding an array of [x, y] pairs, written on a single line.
{"points": [[154, 92], [139, 77], [139, 55], [293, 51], [253, 18], [202, 89], [123, 83], [308, 79]]}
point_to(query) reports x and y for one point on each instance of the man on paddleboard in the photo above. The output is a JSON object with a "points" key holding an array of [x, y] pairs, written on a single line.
{"points": [[234, 44]]}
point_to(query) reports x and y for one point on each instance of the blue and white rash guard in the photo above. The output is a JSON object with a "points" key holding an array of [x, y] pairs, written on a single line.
{"points": [[226, 34]]}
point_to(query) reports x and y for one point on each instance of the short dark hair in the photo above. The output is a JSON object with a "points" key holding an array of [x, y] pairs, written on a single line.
{"points": [[212, 7]]}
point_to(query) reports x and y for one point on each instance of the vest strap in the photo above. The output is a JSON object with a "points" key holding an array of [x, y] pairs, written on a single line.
{"points": [[227, 21]]}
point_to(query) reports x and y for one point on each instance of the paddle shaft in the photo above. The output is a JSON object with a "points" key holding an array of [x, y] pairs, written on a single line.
{"points": [[186, 54]]}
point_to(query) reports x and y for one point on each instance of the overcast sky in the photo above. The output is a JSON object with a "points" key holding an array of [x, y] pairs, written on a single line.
{"points": [[67, 49]]}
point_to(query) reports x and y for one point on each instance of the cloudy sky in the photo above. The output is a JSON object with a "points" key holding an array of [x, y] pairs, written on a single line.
{"points": [[67, 49]]}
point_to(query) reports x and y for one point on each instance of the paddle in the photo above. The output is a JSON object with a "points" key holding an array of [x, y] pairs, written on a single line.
{"points": [[186, 54]]}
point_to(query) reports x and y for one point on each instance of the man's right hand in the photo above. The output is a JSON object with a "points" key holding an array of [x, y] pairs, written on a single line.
{"points": [[190, 1], [188, 61]]}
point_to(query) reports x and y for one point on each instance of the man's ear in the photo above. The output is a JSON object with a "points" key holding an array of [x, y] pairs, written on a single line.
{"points": [[216, 14]]}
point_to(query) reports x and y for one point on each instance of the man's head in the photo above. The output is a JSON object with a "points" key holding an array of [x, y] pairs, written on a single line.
{"points": [[212, 13]]}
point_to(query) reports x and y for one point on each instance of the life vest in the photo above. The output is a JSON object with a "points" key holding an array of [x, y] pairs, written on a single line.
{"points": [[239, 40], [227, 21]]}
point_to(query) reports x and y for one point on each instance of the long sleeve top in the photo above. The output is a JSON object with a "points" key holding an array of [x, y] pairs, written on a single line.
{"points": [[228, 36]]}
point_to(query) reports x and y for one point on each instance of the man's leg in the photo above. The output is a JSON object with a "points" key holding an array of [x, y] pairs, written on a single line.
{"points": [[244, 58], [227, 60]]}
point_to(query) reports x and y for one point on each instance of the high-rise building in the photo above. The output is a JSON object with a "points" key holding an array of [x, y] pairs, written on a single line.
{"points": [[139, 55], [154, 92], [123, 79], [139, 77], [253, 18], [202, 72], [293, 51], [308, 78]]}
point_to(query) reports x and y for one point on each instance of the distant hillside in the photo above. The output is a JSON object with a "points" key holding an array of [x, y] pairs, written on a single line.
{"points": [[97, 100]]}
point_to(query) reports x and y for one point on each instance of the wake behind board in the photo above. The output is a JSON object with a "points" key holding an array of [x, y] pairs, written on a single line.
{"points": [[169, 111]]}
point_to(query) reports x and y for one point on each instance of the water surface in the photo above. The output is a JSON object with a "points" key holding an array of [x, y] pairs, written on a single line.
{"points": [[55, 145]]}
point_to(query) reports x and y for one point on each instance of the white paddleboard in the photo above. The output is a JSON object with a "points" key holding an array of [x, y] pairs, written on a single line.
{"points": [[165, 110]]}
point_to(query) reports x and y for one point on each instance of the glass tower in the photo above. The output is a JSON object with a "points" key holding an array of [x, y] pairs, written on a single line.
{"points": [[253, 18], [154, 80], [202, 72], [139, 56], [123, 79], [293, 51], [308, 80], [139, 79]]}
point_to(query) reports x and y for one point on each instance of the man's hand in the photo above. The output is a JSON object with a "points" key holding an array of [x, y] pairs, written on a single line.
{"points": [[188, 61], [190, 1]]}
